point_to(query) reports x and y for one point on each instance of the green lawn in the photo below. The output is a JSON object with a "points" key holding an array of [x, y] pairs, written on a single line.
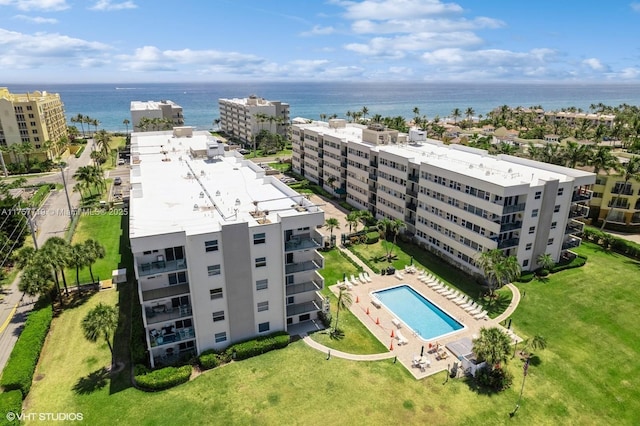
{"points": [[104, 227], [586, 376]]}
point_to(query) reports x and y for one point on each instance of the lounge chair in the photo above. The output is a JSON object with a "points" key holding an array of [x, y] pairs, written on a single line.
{"points": [[443, 290], [396, 322], [472, 307], [481, 315], [432, 284], [469, 303], [442, 354], [476, 311], [461, 300], [375, 302], [399, 276], [361, 278], [453, 295], [367, 277], [401, 339], [354, 281]]}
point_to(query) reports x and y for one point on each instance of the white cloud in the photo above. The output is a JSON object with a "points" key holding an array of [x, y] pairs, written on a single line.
{"points": [[45, 49], [594, 64], [397, 9], [396, 47], [635, 7], [109, 5], [423, 25], [628, 74], [51, 5], [36, 19], [318, 30]]}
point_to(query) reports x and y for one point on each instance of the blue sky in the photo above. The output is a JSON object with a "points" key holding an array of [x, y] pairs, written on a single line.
{"points": [[92, 41]]}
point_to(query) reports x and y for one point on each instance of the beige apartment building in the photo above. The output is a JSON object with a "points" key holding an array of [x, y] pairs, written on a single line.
{"points": [[244, 118], [36, 118], [154, 115]]}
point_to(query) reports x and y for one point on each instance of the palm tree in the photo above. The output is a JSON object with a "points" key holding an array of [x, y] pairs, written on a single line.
{"points": [[469, 114], [353, 219], [630, 171], [77, 259], [26, 149], [390, 229], [545, 260], [23, 257], [331, 224], [365, 112], [456, 114], [57, 250], [575, 154], [93, 251], [102, 139], [602, 159], [78, 188], [537, 342], [126, 123], [493, 346], [36, 279], [497, 268], [344, 301], [101, 321]]}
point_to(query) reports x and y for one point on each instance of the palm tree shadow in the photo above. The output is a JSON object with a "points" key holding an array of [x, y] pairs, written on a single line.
{"points": [[336, 335], [544, 280], [535, 360], [96, 380]]}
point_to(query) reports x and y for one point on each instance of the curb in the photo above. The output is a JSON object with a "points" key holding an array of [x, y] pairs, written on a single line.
{"points": [[9, 318]]}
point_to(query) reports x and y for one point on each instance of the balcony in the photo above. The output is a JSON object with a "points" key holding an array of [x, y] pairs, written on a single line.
{"points": [[302, 308], [574, 227], [511, 242], [161, 266], [412, 193], [169, 356], [513, 208], [414, 178], [168, 335], [303, 287], [506, 227], [297, 243], [571, 243], [373, 176], [578, 211], [165, 292], [307, 265], [620, 203], [581, 195], [410, 220], [622, 190], [162, 313]]}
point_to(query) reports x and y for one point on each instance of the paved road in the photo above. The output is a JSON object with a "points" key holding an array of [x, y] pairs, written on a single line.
{"points": [[51, 220]]}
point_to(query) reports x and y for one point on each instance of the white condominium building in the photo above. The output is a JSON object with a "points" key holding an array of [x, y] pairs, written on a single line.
{"points": [[244, 118], [153, 115], [455, 200], [222, 252]]}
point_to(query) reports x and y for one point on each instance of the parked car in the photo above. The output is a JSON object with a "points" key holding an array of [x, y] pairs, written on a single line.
{"points": [[117, 180], [244, 151], [121, 162]]}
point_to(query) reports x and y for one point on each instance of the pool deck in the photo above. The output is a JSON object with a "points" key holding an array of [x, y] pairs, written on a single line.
{"points": [[379, 322]]}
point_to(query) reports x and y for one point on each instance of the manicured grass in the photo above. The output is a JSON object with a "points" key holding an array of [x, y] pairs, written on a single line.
{"points": [[585, 376], [336, 265], [104, 227]]}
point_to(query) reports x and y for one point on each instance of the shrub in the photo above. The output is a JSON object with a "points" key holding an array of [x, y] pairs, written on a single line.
{"points": [[260, 345], [542, 272], [209, 359], [18, 373], [526, 277], [10, 402], [325, 318], [497, 379], [164, 378], [373, 237], [577, 262], [79, 152]]}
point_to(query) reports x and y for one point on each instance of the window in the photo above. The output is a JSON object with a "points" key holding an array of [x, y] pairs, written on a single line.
{"points": [[556, 209], [262, 284], [186, 346], [221, 337], [259, 238], [560, 191], [261, 261], [211, 245], [218, 316], [532, 229], [538, 194], [216, 293], [263, 306], [173, 253], [290, 300], [528, 246], [550, 241], [184, 323], [525, 263], [553, 225], [534, 213], [263, 326], [177, 278], [213, 270]]}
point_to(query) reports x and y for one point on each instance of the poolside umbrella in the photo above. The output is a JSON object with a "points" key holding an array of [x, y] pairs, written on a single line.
{"points": [[422, 351], [411, 261]]}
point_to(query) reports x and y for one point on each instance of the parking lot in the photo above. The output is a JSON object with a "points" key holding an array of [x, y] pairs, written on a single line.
{"points": [[119, 193]]}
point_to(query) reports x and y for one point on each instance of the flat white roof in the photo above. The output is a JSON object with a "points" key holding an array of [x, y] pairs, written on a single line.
{"points": [[172, 191], [502, 170], [153, 105]]}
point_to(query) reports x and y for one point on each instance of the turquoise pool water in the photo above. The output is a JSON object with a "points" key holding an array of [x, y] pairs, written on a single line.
{"points": [[418, 313]]}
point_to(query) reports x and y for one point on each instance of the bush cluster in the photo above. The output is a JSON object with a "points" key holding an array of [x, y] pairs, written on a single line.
{"points": [[373, 237], [18, 373], [163, 378], [10, 402], [526, 277], [575, 263], [260, 345], [209, 359], [79, 152], [497, 379], [325, 318], [611, 242]]}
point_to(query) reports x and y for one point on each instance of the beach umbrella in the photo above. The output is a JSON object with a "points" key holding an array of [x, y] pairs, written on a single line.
{"points": [[422, 351]]}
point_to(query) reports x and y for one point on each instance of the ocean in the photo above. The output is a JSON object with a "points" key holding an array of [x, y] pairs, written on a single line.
{"points": [[109, 103]]}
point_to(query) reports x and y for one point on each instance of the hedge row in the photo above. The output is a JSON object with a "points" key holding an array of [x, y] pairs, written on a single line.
{"points": [[163, 378], [18, 373], [10, 402], [209, 359], [575, 263], [260, 345], [611, 242], [79, 153], [373, 237]]}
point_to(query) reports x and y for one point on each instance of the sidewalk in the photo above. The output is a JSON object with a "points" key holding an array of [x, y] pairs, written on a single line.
{"points": [[15, 306]]}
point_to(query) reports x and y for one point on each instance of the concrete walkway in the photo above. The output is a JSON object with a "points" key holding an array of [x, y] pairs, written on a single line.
{"points": [[339, 354]]}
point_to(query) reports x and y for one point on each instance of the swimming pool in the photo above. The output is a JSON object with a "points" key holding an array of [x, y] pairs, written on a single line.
{"points": [[426, 319]]}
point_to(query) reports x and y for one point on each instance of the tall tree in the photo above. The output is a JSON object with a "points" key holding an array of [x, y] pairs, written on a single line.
{"points": [[36, 279], [331, 224], [57, 252], [456, 114], [77, 259], [497, 268], [93, 251], [493, 346], [545, 260], [101, 322], [126, 123], [343, 302], [602, 159], [353, 220]]}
